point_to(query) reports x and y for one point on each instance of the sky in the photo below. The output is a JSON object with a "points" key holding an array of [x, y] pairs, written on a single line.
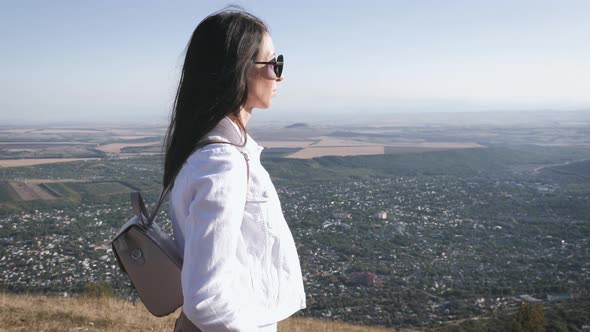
{"points": [[120, 60]]}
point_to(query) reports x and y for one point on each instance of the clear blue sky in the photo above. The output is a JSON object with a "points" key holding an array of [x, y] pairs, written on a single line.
{"points": [[94, 60]]}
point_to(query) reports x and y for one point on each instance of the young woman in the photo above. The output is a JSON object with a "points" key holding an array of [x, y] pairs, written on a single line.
{"points": [[241, 270]]}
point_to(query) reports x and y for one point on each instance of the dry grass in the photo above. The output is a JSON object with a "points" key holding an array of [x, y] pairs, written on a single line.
{"points": [[326, 141], [31, 162], [46, 143], [330, 146], [116, 147], [316, 325], [285, 144], [340, 147], [313, 152], [51, 313]]}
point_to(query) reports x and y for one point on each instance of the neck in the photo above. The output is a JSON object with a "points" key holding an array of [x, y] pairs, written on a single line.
{"points": [[245, 114]]}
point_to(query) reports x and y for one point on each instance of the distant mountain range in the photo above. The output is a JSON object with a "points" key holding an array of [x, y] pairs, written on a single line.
{"points": [[297, 125]]}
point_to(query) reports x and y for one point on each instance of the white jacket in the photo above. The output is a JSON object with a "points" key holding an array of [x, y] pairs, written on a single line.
{"points": [[241, 269]]}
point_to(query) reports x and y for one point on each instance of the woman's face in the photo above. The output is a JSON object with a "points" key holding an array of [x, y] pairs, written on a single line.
{"points": [[262, 82]]}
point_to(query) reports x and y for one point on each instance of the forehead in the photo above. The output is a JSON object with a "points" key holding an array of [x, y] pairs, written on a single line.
{"points": [[267, 49]]}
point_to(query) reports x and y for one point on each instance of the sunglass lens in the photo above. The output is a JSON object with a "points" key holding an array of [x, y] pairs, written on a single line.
{"points": [[279, 66]]}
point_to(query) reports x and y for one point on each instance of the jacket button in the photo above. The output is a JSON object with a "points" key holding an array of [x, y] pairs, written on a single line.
{"points": [[265, 193]]}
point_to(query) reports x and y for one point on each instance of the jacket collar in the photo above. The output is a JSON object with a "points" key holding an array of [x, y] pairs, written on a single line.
{"points": [[227, 130]]}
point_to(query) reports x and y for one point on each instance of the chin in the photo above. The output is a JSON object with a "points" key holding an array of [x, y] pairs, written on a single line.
{"points": [[262, 104]]}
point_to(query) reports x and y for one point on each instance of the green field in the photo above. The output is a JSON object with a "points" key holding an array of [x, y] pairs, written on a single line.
{"points": [[7, 194], [61, 189], [463, 162], [98, 188]]}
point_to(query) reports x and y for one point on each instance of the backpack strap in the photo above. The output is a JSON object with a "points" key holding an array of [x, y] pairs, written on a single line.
{"points": [[139, 206], [137, 200]]}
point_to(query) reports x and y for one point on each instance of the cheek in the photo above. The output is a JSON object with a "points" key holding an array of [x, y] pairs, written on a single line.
{"points": [[263, 89]]}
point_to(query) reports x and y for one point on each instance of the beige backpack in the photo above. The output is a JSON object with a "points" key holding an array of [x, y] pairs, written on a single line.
{"points": [[150, 257]]}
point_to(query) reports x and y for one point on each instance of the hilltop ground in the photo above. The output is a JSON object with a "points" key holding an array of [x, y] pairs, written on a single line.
{"points": [[52, 313]]}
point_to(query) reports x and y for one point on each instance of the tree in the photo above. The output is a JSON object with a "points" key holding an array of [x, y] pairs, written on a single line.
{"points": [[529, 318]]}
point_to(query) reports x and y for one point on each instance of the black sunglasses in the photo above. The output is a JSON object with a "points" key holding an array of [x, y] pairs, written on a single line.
{"points": [[277, 64]]}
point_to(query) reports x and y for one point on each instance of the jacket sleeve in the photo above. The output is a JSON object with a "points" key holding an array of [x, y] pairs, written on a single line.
{"points": [[211, 236]]}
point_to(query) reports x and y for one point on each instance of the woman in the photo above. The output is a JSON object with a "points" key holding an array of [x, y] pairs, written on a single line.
{"points": [[241, 270]]}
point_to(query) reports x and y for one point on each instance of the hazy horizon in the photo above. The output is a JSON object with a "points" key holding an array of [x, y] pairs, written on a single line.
{"points": [[374, 118]]}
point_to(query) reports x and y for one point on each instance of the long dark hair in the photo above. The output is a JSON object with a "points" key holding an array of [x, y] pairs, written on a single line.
{"points": [[213, 83]]}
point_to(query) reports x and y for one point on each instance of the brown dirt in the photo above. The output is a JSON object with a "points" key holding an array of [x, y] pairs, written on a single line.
{"points": [[30, 162]]}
